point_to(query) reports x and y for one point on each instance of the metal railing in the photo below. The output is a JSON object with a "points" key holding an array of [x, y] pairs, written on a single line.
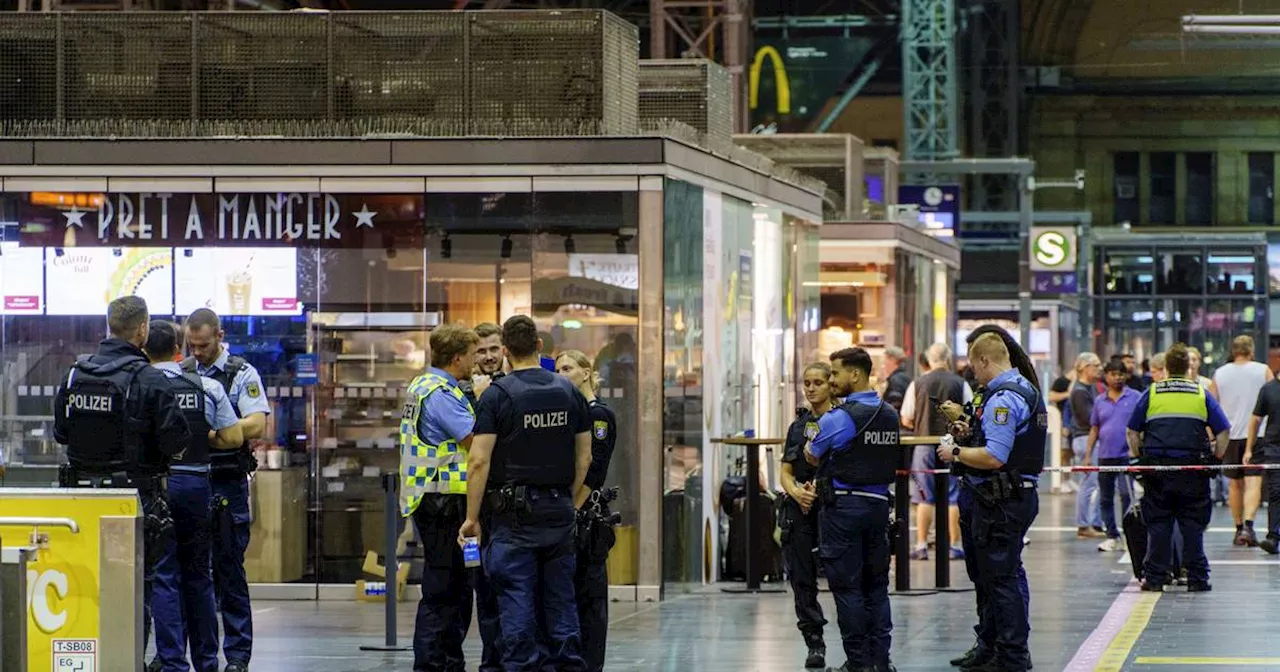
{"points": [[350, 74]]}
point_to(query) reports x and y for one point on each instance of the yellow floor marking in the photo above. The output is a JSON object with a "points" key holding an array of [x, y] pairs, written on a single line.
{"points": [[1188, 660], [1118, 652]]}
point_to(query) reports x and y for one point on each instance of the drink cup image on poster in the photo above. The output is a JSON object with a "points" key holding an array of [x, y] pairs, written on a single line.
{"points": [[237, 281], [22, 279], [82, 281]]}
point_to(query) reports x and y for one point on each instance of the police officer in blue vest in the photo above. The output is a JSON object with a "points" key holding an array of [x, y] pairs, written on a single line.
{"points": [[230, 471], [120, 421], [999, 465], [182, 586], [530, 454], [857, 451], [1168, 428]]}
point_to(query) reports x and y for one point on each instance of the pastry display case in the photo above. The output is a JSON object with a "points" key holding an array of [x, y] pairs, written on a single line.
{"points": [[367, 361]]}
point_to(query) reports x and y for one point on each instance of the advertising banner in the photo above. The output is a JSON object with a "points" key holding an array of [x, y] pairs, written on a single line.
{"points": [[82, 281], [237, 281], [21, 279], [791, 79]]}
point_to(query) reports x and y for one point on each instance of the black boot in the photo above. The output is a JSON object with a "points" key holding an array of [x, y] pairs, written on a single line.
{"points": [[817, 658], [971, 658]]}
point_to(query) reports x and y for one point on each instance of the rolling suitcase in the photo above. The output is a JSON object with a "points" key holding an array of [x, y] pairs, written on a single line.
{"points": [[1135, 537]]}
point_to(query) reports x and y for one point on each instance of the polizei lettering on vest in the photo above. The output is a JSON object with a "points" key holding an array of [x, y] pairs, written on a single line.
{"points": [[546, 420], [98, 403], [188, 401], [882, 438]]}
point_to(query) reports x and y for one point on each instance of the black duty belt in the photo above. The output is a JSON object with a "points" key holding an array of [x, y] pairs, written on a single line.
{"points": [[860, 493]]}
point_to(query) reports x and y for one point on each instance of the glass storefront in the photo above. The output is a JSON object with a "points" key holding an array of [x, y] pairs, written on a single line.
{"points": [[738, 277], [1154, 292], [359, 279]]}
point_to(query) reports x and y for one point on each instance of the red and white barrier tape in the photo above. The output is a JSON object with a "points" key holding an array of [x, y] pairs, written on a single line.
{"points": [[1126, 468]]}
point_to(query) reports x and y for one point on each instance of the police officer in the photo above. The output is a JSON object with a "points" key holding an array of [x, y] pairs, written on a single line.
{"points": [[121, 424], [230, 470], [596, 535], [798, 513], [999, 466], [435, 431], [182, 592], [1168, 428], [857, 450], [486, 369], [489, 361], [530, 455]]}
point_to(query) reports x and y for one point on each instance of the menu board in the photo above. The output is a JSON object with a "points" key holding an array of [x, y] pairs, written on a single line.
{"points": [[21, 279], [83, 280], [237, 280]]}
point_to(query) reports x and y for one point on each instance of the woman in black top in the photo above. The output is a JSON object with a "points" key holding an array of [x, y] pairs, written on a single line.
{"points": [[592, 578], [798, 513]]}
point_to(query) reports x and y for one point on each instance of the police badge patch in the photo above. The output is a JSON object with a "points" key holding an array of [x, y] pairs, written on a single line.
{"points": [[810, 430], [1002, 416], [600, 429], [253, 390]]}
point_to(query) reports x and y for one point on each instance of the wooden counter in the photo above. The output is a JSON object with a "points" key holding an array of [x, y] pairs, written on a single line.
{"points": [[278, 541]]}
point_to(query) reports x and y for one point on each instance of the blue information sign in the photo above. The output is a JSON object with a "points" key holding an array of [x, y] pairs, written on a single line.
{"points": [[1054, 282], [939, 206], [307, 369]]}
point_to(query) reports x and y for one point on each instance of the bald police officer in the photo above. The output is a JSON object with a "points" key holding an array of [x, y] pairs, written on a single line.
{"points": [[1000, 466], [857, 451], [529, 456], [230, 479], [182, 586]]}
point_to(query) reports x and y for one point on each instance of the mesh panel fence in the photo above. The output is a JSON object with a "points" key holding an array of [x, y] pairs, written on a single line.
{"points": [[692, 92]]}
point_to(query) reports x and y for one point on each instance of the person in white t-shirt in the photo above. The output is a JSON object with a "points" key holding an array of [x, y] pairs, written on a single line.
{"points": [[1236, 385]]}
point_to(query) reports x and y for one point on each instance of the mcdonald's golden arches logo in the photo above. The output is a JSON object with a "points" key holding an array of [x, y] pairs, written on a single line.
{"points": [[779, 78]]}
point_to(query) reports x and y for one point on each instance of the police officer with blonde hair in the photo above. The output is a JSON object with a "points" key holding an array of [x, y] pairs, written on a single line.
{"points": [[435, 433]]}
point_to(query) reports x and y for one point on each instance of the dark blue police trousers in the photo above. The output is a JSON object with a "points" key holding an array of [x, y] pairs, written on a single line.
{"points": [[799, 540], [182, 602], [444, 613], [1181, 498], [530, 560], [992, 536], [854, 547], [591, 587], [231, 522]]}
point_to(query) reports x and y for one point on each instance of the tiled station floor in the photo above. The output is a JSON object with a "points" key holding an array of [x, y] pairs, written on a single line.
{"points": [[1087, 615]]}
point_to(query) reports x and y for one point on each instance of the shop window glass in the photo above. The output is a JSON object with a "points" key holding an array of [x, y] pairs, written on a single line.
{"points": [[683, 380], [1262, 188], [1128, 327], [1127, 272], [1125, 170], [1232, 272], [1180, 273], [1162, 205], [1198, 207]]}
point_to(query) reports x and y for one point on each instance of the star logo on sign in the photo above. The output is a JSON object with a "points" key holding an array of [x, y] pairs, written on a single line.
{"points": [[364, 216], [75, 217]]}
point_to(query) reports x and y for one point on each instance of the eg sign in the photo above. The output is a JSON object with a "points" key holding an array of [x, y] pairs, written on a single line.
{"points": [[1053, 249]]}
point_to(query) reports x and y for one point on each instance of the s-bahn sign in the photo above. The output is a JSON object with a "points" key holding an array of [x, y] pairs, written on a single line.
{"points": [[250, 219], [1053, 248]]}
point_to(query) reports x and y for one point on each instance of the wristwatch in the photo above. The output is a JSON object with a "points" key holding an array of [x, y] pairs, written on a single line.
{"points": [[955, 451]]}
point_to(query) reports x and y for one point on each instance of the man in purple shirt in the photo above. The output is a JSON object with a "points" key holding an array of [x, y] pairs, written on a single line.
{"points": [[1107, 422]]}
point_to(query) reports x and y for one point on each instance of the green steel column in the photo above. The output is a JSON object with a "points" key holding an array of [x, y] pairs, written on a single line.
{"points": [[929, 97]]}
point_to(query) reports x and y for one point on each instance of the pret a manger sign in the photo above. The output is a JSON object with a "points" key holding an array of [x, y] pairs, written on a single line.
{"points": [[193, 220]]}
